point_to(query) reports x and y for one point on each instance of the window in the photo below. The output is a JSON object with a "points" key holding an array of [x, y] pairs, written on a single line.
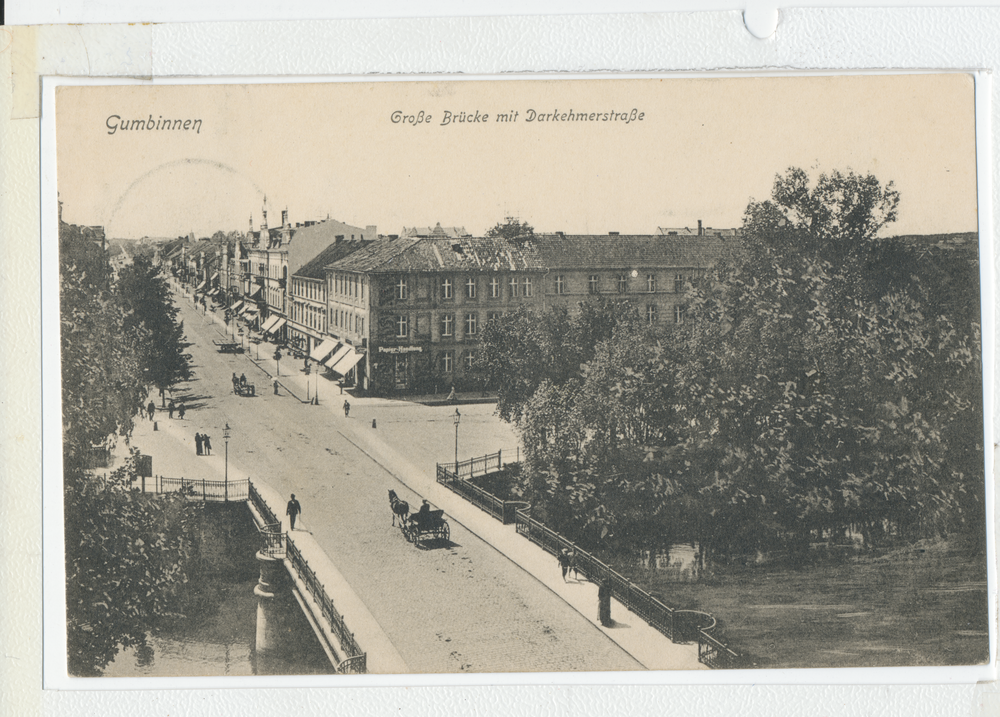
{"points": [[678, 314], [470, 288], [402, 327], [446, 289], [651, 314], [494, 288], [447, 325], [447, 361], [513, 287], [471, 323], [651, 283], [527, 286], [470, 360], [361, 329], [679, 283], [592, 284], [560, 285], [493, 316], [402, 292], [623, 283]]}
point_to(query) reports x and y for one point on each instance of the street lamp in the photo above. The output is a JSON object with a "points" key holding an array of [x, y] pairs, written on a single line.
{"points": [[458, 419], [225, 434], [277, 361]]}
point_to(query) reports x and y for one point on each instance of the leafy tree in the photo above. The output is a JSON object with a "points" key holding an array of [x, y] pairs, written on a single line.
{"points": [[125, 551], [512, 229]]}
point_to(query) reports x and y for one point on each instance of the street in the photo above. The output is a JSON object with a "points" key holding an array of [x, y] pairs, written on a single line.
{"points": [[457, 607]]}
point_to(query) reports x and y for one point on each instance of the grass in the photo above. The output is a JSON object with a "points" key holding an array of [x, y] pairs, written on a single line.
{"points": [[922, 605]]}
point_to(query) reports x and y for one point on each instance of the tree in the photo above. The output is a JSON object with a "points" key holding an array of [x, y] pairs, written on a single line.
{"points": [[512, 229], [125, 552]]}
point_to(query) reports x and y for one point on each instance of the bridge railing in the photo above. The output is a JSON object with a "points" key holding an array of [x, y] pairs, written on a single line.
{"points": [[502, 510], [479, 465], [356, 656], [212, 491]]}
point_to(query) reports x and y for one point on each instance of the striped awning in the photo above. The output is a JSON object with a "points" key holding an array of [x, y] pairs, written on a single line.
{"points": [[275, 326], [347, 363], [236, 306], [324, 349], [200, 286], [337, 355], [269, 324]]}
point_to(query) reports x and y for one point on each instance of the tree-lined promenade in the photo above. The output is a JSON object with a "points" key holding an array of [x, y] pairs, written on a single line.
{"points": [[824, 384]]}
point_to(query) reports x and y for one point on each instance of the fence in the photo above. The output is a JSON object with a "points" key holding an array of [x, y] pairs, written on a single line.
{"points": [[503, 510], [480, 465], [215, 491], [356, 660]]}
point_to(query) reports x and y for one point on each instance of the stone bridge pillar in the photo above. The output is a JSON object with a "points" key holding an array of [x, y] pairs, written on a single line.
{"points": [[271, 591]]}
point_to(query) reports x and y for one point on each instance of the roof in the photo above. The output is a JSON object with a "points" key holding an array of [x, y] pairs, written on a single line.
{"points": [[694, 231], [408, 254], [306, 242], [315, 268], [435, 231], [625, 251]]}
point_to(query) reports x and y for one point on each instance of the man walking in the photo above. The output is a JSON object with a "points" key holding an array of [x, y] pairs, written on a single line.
{"points": [[347, 409], [170, 409], [292, 511], [180, 411], [206, 443], [197, 443], [151, 409]]}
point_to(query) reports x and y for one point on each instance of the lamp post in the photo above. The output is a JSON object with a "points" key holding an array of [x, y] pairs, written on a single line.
{"points": [[458, 419], [226, 432], [277, 361]]}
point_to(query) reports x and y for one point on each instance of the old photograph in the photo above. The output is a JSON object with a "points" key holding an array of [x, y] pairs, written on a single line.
{"points": [[439, 376]]}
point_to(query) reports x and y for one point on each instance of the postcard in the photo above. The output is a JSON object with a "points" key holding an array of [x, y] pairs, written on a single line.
{"points": [[647, 376]]}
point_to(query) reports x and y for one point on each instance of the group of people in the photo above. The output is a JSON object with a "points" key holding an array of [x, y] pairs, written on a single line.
{"points": [[150, 410], [567, 564], [203, 444]]}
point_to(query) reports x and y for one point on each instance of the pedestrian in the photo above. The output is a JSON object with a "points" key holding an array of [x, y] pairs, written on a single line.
{"points": [[563, 560], [207, 444], [604, 603], [151, 409], [170, 409], [181, 411], [347, 409], [197, 444], [571, 555], [275, 387], [292, 511], [243, 379]]}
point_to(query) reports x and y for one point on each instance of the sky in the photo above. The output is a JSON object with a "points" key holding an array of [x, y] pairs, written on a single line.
{"points": [[701, 150]]}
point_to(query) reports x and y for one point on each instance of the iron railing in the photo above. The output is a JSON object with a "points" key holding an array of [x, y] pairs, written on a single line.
{"points": [[502, 510], [716, 654], [273, 540], [336, 621], [214, 491], [261, 506], [476, 466]]}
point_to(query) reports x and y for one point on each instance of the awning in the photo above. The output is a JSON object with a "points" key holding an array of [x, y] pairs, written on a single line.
{"points": [[214, 276], [347, 363], [277, 325], [324, 349], [340, 353], [269, 323], [236, 306], [254, 293], [198, 288]]}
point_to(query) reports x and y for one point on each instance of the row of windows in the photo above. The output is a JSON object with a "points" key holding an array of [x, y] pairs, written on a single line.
{"points": [[446, 360], [472, 321], [517, 286], [350, 285], [309, 290], [522, 286], [309, 316], [347, 320]]}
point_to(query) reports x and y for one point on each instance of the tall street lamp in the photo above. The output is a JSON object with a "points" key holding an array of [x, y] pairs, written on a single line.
{"points": [[226, 432], [458, 419]]}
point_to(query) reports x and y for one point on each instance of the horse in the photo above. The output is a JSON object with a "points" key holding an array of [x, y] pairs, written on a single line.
{"points": [[400, 508]]}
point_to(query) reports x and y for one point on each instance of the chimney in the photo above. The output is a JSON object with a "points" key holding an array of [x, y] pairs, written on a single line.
{"points": [[393, 236], [284, 217], [700, 231], [562, 234], [371, 231], [613, 234]]}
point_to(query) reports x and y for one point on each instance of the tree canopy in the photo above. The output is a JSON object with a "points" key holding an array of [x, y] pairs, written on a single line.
{"points": [[513, 229], [816, 385]]}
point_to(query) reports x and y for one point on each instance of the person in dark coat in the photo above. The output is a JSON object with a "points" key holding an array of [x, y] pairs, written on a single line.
{"points": [[181, 411], [347, 409], [604, 603], [170, 409], [206, 443], [197, 444], [563, 560], [292, 511], [151, 409]]}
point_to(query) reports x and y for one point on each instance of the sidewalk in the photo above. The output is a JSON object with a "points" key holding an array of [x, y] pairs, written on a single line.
{"points": [[173, 451], [647, 645]]}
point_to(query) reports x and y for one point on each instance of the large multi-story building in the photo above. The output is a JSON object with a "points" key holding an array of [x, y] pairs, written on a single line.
{"points": [[275, 254], [407, 313]]}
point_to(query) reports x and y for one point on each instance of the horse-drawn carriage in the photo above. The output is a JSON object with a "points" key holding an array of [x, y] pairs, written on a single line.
{"points": [[425, 523]]}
